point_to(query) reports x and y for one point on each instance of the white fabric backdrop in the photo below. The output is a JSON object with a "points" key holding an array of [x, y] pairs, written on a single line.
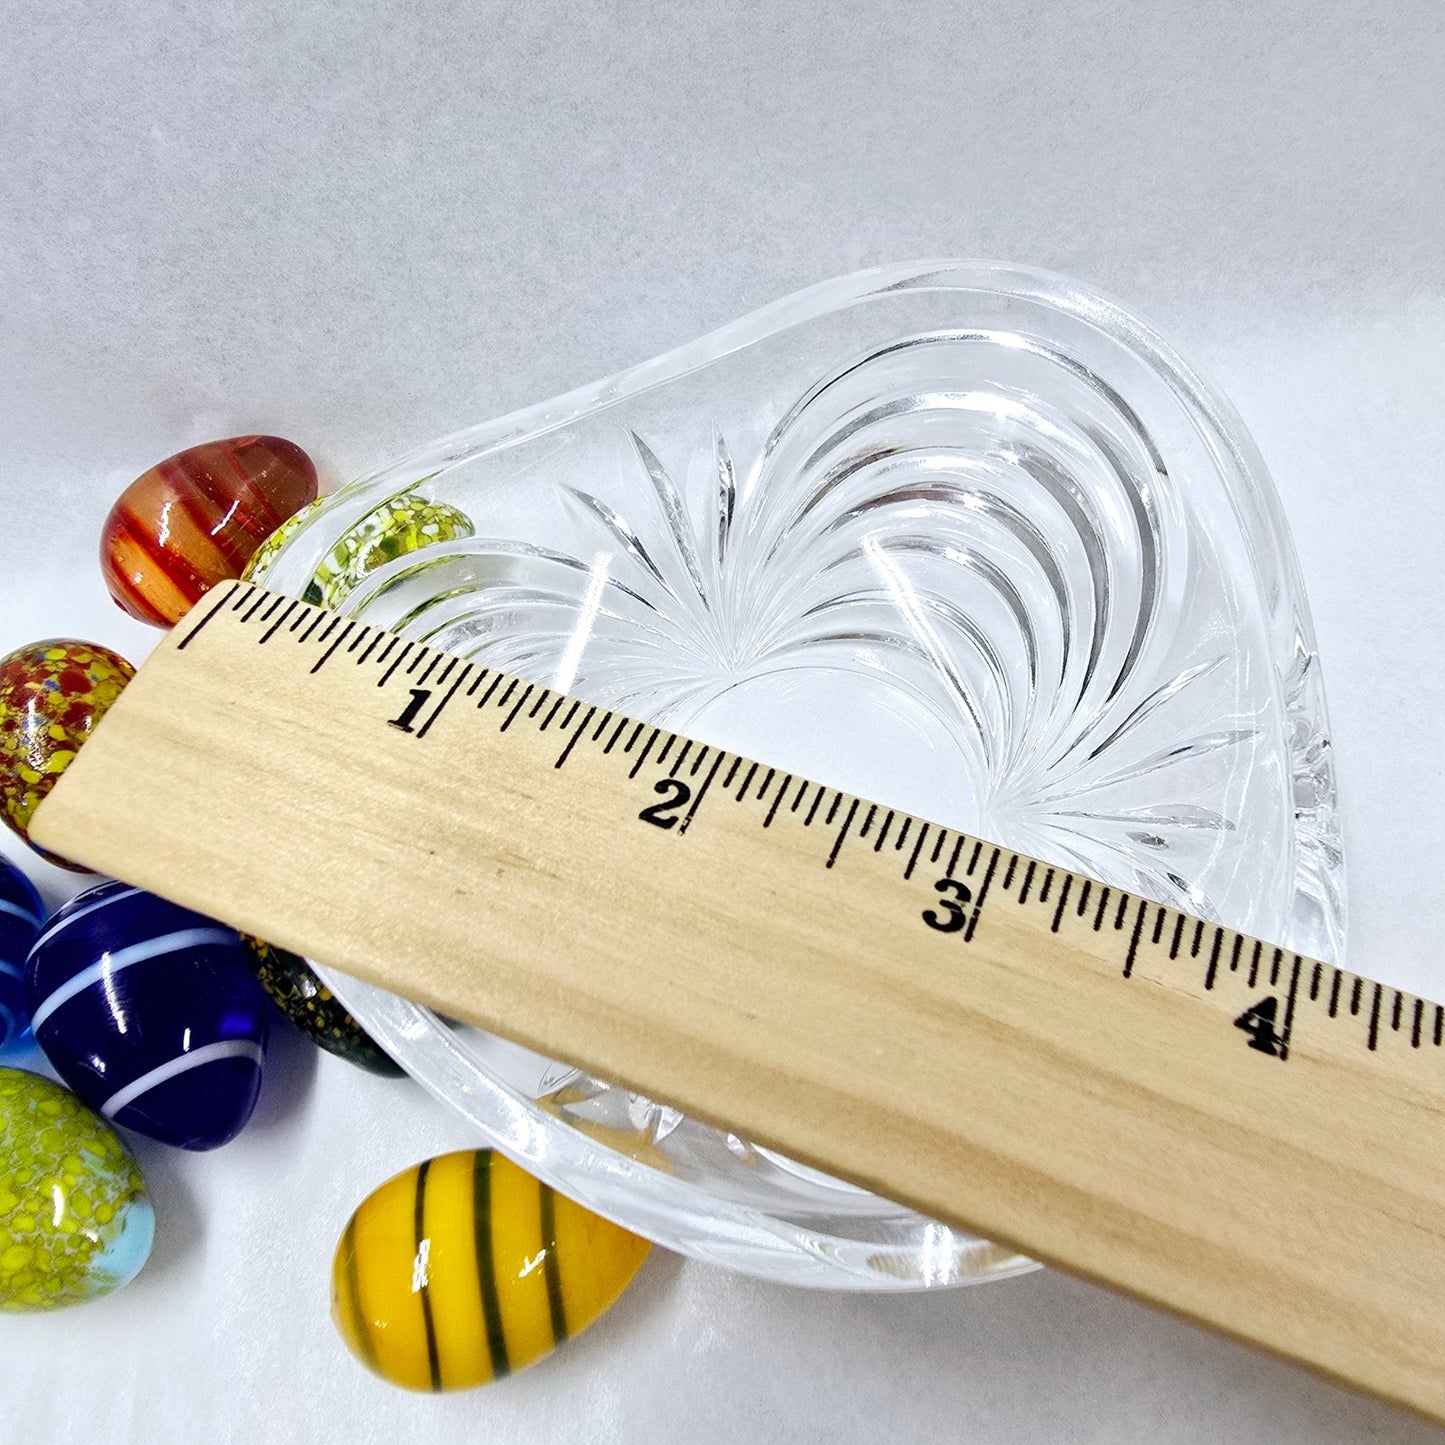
{"points": [[364, 225]]}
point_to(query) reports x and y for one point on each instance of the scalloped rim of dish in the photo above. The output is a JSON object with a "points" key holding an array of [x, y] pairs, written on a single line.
{"points": [[637, 1195]]}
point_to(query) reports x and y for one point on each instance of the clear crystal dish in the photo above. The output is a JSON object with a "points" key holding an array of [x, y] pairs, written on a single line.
{"points": [[968, 539]]}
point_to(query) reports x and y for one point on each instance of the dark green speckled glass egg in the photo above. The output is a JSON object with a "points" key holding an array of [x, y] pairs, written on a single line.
{"points": [[295, 989]]}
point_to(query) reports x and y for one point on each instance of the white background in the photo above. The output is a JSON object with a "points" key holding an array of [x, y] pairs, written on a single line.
{"points": [[362, 226]]}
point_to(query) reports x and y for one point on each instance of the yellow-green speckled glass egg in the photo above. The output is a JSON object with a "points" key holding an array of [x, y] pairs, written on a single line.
{"points": [[75, 1220], [466, 1268], [401, 525]]}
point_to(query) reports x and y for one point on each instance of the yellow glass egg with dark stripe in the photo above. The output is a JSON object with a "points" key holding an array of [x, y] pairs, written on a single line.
{"points": [[466, 1268]]}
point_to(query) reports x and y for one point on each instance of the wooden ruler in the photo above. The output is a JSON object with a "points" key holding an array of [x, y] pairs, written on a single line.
{"points": [[1231, 1131]]}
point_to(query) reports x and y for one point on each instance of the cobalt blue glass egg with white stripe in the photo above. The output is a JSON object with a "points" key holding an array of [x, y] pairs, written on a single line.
{"points": [[151, 1013], [22, 916]]}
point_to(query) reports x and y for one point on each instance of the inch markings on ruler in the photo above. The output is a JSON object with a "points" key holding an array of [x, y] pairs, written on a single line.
{"points": [[1150, 1099], [1268, 1026]]}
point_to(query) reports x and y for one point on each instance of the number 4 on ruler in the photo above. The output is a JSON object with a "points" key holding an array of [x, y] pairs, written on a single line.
{"points": [[1258, 1022]]}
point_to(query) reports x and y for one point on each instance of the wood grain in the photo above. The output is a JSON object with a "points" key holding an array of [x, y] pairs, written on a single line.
{"points": [[1061, 1073]]}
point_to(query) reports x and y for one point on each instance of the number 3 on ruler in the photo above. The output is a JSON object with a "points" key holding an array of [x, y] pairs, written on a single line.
{"points": [[953, 917]]}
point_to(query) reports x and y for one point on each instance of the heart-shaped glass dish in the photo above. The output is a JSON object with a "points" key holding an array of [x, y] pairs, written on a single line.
{"points": [[967, 539]]}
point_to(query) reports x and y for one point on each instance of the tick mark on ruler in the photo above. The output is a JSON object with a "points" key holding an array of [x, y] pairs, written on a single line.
{"points": [[702, 792], [437, 711], [842, 833], [215, 607], [642, 756], [813, 811], [773, 809], [271, 631], [331, 651], [1063, 901], [376, 637], [917, 848], [612, 741], [517, 706], [1288, 1029], [1028, 881], [1103, 909], [572, 741], [1134, 941], [747, 781], [396, 662], [982, 894], [1212, 970]]}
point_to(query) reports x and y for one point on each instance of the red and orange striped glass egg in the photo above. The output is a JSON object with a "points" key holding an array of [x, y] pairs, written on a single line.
{"points": [[195, 519]]}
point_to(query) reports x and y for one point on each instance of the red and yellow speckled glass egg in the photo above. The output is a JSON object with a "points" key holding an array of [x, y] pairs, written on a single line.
{"points": [[51, 696], [195, 519]]}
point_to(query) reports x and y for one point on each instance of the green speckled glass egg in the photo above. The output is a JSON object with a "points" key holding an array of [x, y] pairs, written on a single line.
{"points": [[400, 525], [314, 1009], [75, 1219]]}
